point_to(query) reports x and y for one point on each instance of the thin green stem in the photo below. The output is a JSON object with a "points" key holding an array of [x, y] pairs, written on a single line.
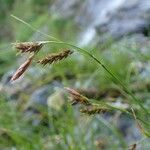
{"points": [[34, 29]]}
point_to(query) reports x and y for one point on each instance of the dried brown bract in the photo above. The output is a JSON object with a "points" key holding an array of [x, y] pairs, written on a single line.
{"points": [[100, 144], [54, 57], [22, 69], [77, 97], [28, 47], [93, 110], [133, 147]]}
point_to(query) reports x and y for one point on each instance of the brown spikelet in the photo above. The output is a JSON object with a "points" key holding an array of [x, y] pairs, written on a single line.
{"points": [[133, 146], [100, 144], [30, 47], [77, 97], [54, 57], [22, 69], [93, 110]]}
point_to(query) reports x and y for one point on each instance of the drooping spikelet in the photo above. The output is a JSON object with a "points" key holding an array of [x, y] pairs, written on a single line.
{"points": [[22, 68], [54, 57], [77, 97], [93, 110], [30, 47]]}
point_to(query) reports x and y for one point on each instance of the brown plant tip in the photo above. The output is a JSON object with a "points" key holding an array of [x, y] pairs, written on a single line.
{"points": [[93, 110], [22, 69], [77, 97], [54, 57], [28, 47], [133, 146]]}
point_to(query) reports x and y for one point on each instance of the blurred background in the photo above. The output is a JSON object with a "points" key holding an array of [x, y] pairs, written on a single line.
{"points": [[34, 110]]}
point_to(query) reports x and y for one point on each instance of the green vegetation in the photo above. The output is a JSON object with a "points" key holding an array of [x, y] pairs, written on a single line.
{"points": [[68, 128]]}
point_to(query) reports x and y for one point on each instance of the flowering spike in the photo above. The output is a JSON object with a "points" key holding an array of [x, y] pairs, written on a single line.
{"points": [[54, 57], [28, 47], [77, 97], [22, 69]]}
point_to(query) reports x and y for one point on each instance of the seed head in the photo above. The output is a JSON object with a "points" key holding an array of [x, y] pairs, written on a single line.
{"points": [[22, 69], [93, 110], [54, 57], [133, 146], [28, 47], [77, 97]]}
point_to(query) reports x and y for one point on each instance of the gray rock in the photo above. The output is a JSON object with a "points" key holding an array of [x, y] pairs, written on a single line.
{"points": [[143, 70], [40, 96], [129, 129], [131, 18], [133, 133], [38, 103], [108, 18], [145, 73]]}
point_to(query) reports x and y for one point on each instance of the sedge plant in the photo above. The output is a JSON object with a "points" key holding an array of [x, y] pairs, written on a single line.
{"points": [[90, 106]]}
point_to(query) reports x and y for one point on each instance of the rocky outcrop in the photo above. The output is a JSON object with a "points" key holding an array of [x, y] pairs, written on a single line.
{"points": [[108, 18]]}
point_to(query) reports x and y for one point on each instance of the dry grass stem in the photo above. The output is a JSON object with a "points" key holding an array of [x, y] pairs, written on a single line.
{"points": [[54, 57], [28, 47], [22, 68], [77, 97]]}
